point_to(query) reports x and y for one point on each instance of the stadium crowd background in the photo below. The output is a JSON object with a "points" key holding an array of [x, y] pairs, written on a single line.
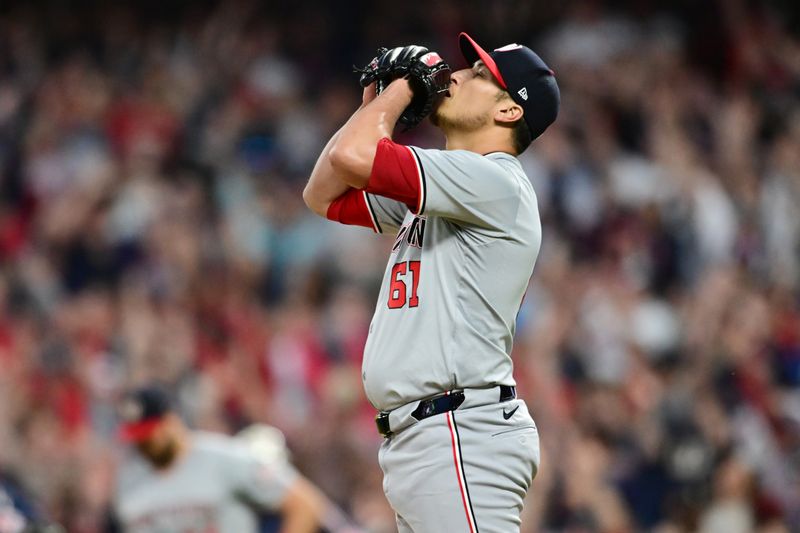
{"points": [[151, 226]]}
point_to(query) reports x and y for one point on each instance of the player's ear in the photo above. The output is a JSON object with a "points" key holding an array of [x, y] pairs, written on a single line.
{"points": [[507, 111]]}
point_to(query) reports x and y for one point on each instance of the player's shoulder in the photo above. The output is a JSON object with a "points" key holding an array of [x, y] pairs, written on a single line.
{"points": [[503, 159], [498, 163], [218, 444], [509, 163], [451, 155], [222, 449]]}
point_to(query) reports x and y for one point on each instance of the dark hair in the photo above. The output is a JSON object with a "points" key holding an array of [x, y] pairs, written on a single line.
{"points": [[521, 136]]}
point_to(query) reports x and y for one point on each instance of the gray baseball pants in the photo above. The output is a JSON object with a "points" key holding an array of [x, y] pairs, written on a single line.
{"points": [[466, 470]]}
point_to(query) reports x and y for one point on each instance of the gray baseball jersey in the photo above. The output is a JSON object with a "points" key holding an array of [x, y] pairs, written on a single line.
{"points": [[467, 236], [216, 487], [456, 277]]}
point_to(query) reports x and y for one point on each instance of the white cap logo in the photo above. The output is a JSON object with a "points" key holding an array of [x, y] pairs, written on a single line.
{"points": [[508, 47], [523, 93]]}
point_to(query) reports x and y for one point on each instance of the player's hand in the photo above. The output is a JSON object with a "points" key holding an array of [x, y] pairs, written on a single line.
{"points": [[372, 70], [389, 64], [428, 76], [427, 73], [369, 93]]}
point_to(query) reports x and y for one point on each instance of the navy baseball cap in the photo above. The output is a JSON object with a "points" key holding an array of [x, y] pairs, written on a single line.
{"points": [[529, 81], [141, 412]]}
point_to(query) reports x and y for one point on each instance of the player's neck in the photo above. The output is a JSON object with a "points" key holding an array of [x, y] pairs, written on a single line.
{"points": [[483, 141], [181, 444]]}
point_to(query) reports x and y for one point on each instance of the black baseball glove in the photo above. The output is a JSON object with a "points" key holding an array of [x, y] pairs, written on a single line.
{"points": [[426, 71]]}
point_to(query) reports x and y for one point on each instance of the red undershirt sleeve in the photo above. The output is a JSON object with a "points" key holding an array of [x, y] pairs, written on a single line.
{"points": [[398, 174], [353, 208]]}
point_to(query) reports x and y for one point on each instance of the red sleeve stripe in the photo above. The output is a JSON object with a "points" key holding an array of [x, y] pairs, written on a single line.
{"points": [[375, 225], [352, 208], [422, 185], [397, 174]]}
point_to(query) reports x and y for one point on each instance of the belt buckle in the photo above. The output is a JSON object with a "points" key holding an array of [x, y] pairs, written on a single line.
{"points": [[382, 422], [449, 401], [507, 393]]}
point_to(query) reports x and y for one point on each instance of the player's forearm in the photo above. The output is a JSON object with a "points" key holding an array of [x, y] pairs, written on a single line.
{"points": [[324, 186], [353, 152], [325, 183], [303, 508], [299, 523]]}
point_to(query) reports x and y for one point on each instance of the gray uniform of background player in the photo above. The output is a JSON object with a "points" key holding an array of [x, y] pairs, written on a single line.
{"points": [[214, 488], [481, 238]]}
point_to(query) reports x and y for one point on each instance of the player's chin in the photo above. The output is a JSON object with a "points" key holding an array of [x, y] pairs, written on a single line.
{"points": [[437, 116]]}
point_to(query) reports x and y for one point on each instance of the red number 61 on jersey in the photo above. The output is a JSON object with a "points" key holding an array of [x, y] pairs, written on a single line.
{"points": [[398, 286]]}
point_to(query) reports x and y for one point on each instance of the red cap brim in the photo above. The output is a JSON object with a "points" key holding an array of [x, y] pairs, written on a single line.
{"points": [[473, 52], [139, 431]]}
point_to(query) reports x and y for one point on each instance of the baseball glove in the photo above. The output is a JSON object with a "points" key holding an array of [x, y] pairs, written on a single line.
{"points": [[426, 71]]}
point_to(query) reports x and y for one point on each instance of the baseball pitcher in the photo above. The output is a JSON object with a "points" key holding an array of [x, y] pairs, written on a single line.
{"points": [[460, 449], [182, 481]]}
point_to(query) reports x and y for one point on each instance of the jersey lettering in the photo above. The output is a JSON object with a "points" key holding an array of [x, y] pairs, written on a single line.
{"points": [[413, 234], [397, 287], [401, 235], [399, 282], [414, 267], [416, 233], [189, 518]]}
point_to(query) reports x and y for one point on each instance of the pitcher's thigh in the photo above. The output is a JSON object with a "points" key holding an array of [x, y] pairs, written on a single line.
{"points": [[500, 479], [500, 458], [463, 471]]}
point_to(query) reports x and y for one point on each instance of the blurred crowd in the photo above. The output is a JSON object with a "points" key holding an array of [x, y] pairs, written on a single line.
{"points": [[152, 227]]}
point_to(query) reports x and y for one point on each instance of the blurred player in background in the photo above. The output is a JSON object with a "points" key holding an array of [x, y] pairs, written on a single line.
{"points": [[18, 511], [190, 481]]}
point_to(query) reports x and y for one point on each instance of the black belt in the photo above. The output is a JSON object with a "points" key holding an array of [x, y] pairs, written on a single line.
{"points": [[438, 405]]}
